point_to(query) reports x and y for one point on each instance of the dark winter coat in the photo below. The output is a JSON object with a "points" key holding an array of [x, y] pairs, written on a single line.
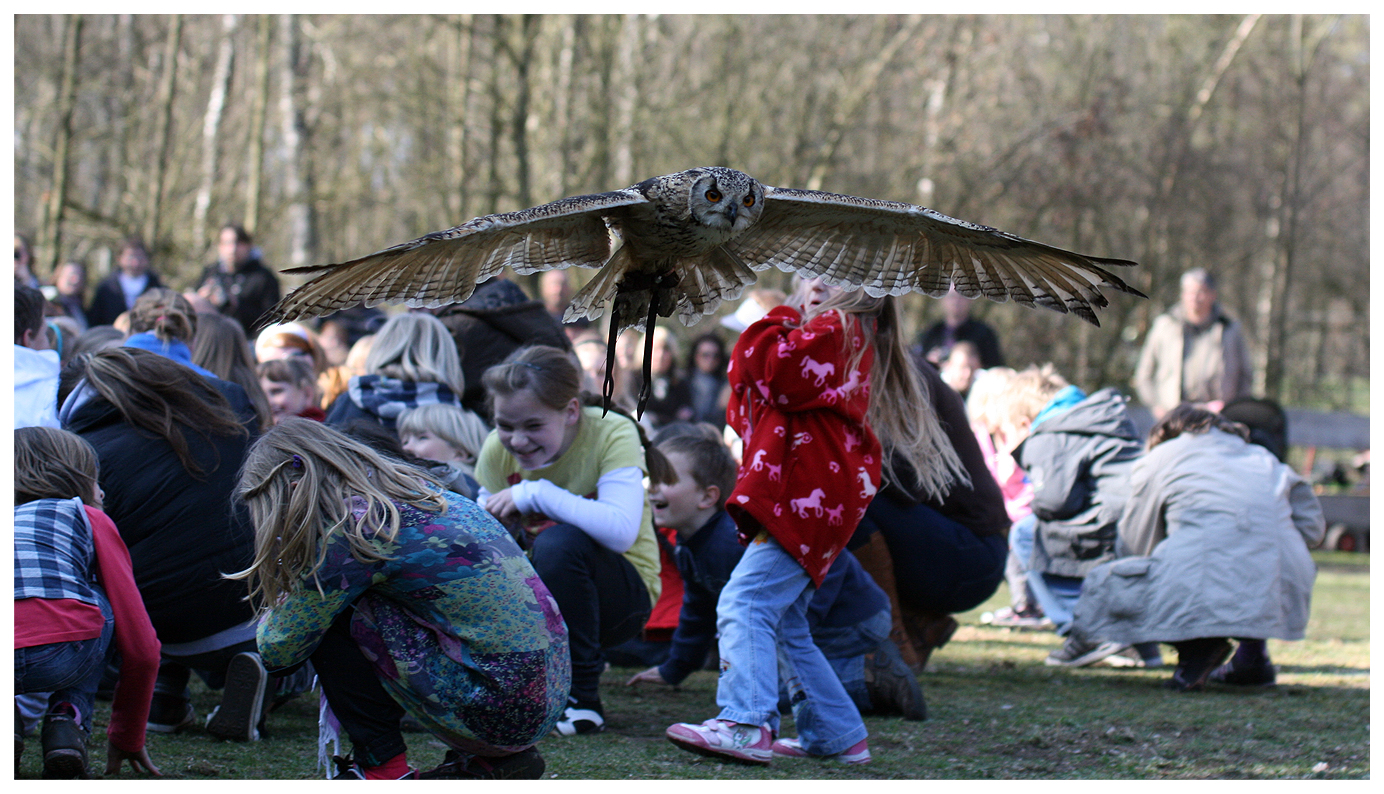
{"points": [[183, 532], [251, 290], [108, 302], [1079, 461], [985, 339], [496, 320], [979, 506]]}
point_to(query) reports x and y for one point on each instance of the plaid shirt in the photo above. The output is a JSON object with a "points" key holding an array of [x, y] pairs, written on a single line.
{"points": [[54, 555]]}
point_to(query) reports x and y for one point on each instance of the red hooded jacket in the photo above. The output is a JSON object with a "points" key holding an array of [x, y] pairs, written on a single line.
{"points": [[811, 464]]}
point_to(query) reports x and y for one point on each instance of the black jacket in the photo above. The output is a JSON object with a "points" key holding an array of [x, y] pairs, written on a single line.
{"points": [[1079, 462], [182, 532], [847, 596], [496, 320], [985, 339], [108, 302], [980, 506], [251, 290]]}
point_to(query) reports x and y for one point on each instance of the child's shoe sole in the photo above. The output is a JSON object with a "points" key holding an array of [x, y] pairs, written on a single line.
{"points": [[238, 716], [792, 748]]}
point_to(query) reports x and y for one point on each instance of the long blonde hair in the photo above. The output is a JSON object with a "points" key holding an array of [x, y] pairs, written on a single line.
{"points": [[900, 410], [416, 347], [301, 482]]}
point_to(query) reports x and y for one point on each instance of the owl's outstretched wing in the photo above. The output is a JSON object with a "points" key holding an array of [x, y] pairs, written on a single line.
{"points": [[890, 248], [445, 267]]}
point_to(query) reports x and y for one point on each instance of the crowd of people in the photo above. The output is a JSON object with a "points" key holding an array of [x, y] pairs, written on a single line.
{"points": [[436, 522]]}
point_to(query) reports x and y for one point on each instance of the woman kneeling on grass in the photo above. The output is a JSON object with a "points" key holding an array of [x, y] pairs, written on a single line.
{"points": [[407, 599], [1214, 542]]}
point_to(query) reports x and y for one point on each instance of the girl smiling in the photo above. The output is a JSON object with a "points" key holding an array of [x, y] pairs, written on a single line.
{"points": [[573, 478]]}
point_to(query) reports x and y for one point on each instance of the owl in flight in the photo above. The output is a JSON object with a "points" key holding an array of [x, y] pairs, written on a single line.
{"points": [[685, 242]]}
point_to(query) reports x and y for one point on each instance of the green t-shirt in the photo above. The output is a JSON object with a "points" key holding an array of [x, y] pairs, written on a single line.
{"points": [[602, 445]]}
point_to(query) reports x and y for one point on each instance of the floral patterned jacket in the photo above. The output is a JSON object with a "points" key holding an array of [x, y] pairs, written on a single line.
{"points": [[462, 632]]}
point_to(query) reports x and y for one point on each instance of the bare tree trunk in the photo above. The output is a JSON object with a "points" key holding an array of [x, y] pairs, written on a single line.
{"points": [[494, 184], [67, 100], [854, 96], [297, 181], [608, 37], [523, 61], [1278, 269], [932, 125], [458, 138], [168, 87], [1180, 137], [626, 93], [211, 124], [562, 103], [259, 111]]}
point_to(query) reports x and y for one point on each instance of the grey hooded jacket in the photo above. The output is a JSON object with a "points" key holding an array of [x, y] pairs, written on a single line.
{"points": [[1220, 532], [1078, 462]]}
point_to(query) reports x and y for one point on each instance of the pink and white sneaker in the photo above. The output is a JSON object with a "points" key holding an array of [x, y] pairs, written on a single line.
{"points": [[859, 753], [748, 744]]}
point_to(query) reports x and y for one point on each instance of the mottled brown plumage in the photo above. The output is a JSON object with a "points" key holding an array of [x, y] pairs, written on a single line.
{"points": [[685, 242]]}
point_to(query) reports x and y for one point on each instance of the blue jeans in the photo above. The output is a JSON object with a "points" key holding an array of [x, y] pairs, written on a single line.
{"points": [[1057, 595], [71, 671], [845, 648], [762, 618]]}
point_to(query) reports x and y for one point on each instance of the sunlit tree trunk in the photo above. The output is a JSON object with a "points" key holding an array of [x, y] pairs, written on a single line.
{"points": [[51, 239], [259, 112], [626, 96], [297, 179], [211, 124], [458, 139], [1277, 278], [562, 103], [163, 130]]}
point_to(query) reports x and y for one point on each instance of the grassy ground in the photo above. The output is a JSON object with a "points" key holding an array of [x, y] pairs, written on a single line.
{"points": [[995, 712]]}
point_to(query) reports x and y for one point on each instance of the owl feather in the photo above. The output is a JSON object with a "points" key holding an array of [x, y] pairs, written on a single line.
{"points": [[688, 241]]}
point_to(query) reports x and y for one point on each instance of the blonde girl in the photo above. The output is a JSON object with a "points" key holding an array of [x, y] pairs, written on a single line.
{"points": [[407, 599], [811, 385], [573, 476], [413, 361]]}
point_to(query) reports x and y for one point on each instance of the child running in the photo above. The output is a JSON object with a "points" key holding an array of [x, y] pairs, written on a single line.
{"points": [[407, 599], [806, 389], [574, 477], [75, 606]]}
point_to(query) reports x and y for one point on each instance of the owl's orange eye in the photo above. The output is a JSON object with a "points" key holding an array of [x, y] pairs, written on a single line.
{"points": [[749, 200], [713, 195]]}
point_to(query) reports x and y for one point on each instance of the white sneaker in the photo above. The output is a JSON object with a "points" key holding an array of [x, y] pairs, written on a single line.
{"points": [[749, 744]]}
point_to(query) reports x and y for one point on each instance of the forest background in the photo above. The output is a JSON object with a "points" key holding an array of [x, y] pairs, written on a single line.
{"points": [[1236, 143]]}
